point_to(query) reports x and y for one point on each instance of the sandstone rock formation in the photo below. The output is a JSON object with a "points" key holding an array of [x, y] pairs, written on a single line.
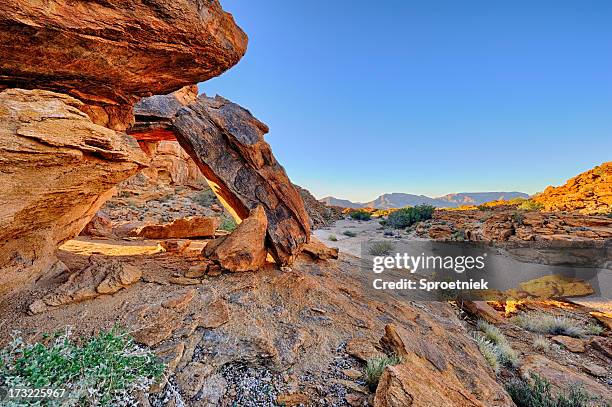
{"points": [[589, 192], [56, 169], [244, 249], [227, 144], [193, 226], [320, 214], [170, 164], [108, 54], [429, 374]]}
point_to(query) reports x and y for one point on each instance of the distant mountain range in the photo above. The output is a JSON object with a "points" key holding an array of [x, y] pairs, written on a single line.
{"points": [[399, 200]]}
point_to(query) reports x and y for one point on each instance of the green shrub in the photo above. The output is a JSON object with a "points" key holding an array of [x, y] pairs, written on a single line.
{"points": [[349, 233], [105, 370], [458, 235], [382, 248], [518, 217], [537, 393], [549, 324], [228, 224], [530, 205], [402, 218], [332, 238], [484, 207], [360, 214], [375, 368], [205, 198], [489, 351]]}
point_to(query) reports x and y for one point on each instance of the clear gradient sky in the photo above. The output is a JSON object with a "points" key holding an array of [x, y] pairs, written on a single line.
{"points": [[427, 97]]}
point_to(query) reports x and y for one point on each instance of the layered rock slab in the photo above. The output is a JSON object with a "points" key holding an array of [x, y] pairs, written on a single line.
{"points": [[109, 54], [56, 170]]}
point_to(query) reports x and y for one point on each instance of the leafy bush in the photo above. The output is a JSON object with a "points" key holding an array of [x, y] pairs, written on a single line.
{"points": [[228, 224], [332, 238], [349, 233], [105, 370], [484, 207], [383, 248], [360, 214], [530, 205], [205, 198], [537, 393], [549, 324], [375, 368], [408, 216]]}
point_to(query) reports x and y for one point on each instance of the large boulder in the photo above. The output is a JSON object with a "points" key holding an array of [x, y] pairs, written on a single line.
{"points": [[191, 226], [56, 169], [244, 249], [111, 53]]}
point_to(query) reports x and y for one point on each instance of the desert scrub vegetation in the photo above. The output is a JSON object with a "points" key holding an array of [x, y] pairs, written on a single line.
{"points": [[402, 218], [349, 233], [228, 224], [540, 343], [107, 369], [382, 248], [205, 198], [530, 205], [375, 368], [537, 393], [555, 325], [505, 355], [332, 238], [360, 214], [487, 348]]}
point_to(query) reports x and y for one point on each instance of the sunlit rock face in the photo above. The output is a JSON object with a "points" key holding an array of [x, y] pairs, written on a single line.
{"points": [[110, 53], [56, 169]]}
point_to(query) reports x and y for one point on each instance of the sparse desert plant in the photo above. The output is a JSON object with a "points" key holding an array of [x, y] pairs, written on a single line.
{"points": [[332, 238], [375, 368], [484, 207], [349, 233], [594, 329], [504, 352], [540, 343], [402, 218], [518, 217], [537, 393], [360, 214], [205, 198], [549, 324], [458, 235], [530, 205], [489, 351], [228, 224], [382, 248], [105, 370]]}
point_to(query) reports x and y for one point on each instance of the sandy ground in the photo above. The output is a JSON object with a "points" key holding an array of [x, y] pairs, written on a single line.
{"points": [[366, 231]]}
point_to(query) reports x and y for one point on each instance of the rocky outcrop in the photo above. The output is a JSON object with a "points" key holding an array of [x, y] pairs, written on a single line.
{"points": [[320, 214], [244, 249], [170, 164], [56, 169], [227, 143], [109, 54], [589, 193], [432, 373], [100, 277], [193, 226]]}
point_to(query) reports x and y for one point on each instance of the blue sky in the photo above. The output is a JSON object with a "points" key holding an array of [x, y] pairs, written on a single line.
{"points": [[427, 97]]}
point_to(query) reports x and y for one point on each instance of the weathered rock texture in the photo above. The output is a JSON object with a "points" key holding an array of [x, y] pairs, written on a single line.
{"points": [[227, 143], [170, 164], [193, 226], [589, 192], [244, 249], [110, 53], [320, 214], [56, 170]]}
